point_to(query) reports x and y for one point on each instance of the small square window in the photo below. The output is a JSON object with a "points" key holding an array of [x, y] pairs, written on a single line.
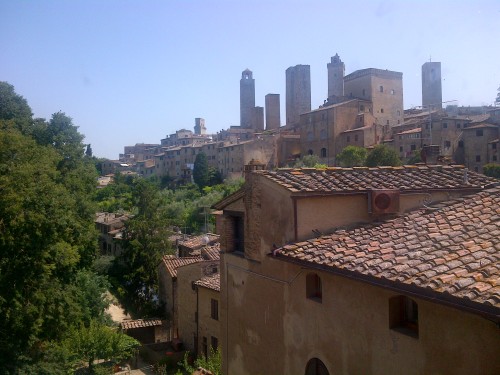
{"points": [[445, 125], [403, 315], [479, 133]]}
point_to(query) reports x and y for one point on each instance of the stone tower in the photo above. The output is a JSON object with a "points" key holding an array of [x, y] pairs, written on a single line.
{"points": [[247, 98], [199, 126], [257, 119], [432, 95], [273, 111], [298, 92], [336, 71]]}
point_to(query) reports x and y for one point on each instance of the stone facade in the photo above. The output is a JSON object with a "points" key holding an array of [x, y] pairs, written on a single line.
{"points": [[273, 111], [432, 96], [298, 92], [336, 72], [247, 98]]}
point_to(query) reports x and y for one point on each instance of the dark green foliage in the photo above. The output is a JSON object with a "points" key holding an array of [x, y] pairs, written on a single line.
{"points": [[492, 170], [382, 155], [47, 238], [352, 156], [213, 363], [15, 113], [201, 173], [145, 241], [415, 157]]}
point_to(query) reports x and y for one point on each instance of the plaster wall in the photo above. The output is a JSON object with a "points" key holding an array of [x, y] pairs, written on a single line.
{"points": [[207, 326], [348, 330]]}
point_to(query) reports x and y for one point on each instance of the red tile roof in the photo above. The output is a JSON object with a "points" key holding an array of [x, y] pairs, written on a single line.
{"points": [[172, 262], [406, 178], [198, 241], [140, 323], [210, 282], [452, 252]]}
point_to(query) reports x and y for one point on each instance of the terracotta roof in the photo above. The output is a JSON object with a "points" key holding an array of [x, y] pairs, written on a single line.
{"points": [[140, 323], [172, 262], [198, 241], [481, 126], [453, 251], [358, 129], [210, 282], [211, 252], [358, 179]]}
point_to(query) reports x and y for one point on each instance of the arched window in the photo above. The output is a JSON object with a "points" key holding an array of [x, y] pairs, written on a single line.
{"points": [[316, 367], [323, 152], [314, 288], [310, 152]]}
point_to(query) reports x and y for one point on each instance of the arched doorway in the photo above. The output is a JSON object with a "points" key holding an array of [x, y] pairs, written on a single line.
{"points": [[316, 367]]}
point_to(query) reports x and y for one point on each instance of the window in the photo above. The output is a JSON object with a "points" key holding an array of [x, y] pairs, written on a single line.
{"points": [[413, 147], [381, 110], [393, 92], [478, 158], [236, 232], [400, 148], [323, 152], [479, 133], [460, 144], [313, 287], [355, 138], [214, 309], [381, 88], [214, 342], [447, 144], [494, 158], [458, 126], [445, 125], [403, 315], [316, 367], [494, 146], [310, 152], [362, 107]]}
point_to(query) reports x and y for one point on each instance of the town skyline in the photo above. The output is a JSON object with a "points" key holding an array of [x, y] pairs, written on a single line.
{"points": [[124, 85]]}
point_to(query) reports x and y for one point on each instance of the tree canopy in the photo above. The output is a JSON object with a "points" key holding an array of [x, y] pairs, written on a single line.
{"points": [[201, 173], [352, 156], [382, 155]]}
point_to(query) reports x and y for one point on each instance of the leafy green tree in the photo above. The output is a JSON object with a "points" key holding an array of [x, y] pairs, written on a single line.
{"points": [[212, 363], [497, 100], [145, 241], [96, 342], [352, 156], [201, 173], [416, 157], [308, 161], [15, 113], [492, 170], [43, 238], [382, 155]]}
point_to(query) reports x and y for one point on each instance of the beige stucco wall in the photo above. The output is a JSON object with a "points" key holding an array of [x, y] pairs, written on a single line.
{"points": [[207, 327], [186, 302], [349, 331], [166, 290]]}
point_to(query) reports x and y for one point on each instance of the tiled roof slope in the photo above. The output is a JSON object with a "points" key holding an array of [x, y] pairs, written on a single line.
{"points": [[172, 262], [198, 241], [210, 282], [208, 252], [410, 177], [140, 323], [452, 252]]}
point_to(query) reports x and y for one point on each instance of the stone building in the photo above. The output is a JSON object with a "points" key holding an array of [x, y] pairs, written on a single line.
{"points": [[345, 285], [273, 111], [476, 142], [247, 98], [199, 126], [110, 227], [298, 93], [384, 88], [432, 96], [326, 131], [336, 72]]}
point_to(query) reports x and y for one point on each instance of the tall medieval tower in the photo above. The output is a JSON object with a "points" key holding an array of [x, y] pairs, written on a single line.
{"points": [[432, 96], [336, 71], [298, 92], [247, 98]]}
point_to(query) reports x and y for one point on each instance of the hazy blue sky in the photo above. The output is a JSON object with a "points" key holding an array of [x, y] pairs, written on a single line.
{"points": [[134, 71]]}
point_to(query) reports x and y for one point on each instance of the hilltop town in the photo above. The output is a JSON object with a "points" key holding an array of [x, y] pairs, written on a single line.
{"points": [[364, 108]]}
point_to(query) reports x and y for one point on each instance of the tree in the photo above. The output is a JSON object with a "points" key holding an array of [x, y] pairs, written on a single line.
{"points": [[309, 161], [352, 156], [213, 363], [492, 170], [88, 151], [96, 342], [497, 100], [201, 173], [15, 113], [382, 155], [145, 241]]}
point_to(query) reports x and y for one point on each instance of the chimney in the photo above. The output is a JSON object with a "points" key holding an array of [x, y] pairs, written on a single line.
{"points": [[253, 165]]}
